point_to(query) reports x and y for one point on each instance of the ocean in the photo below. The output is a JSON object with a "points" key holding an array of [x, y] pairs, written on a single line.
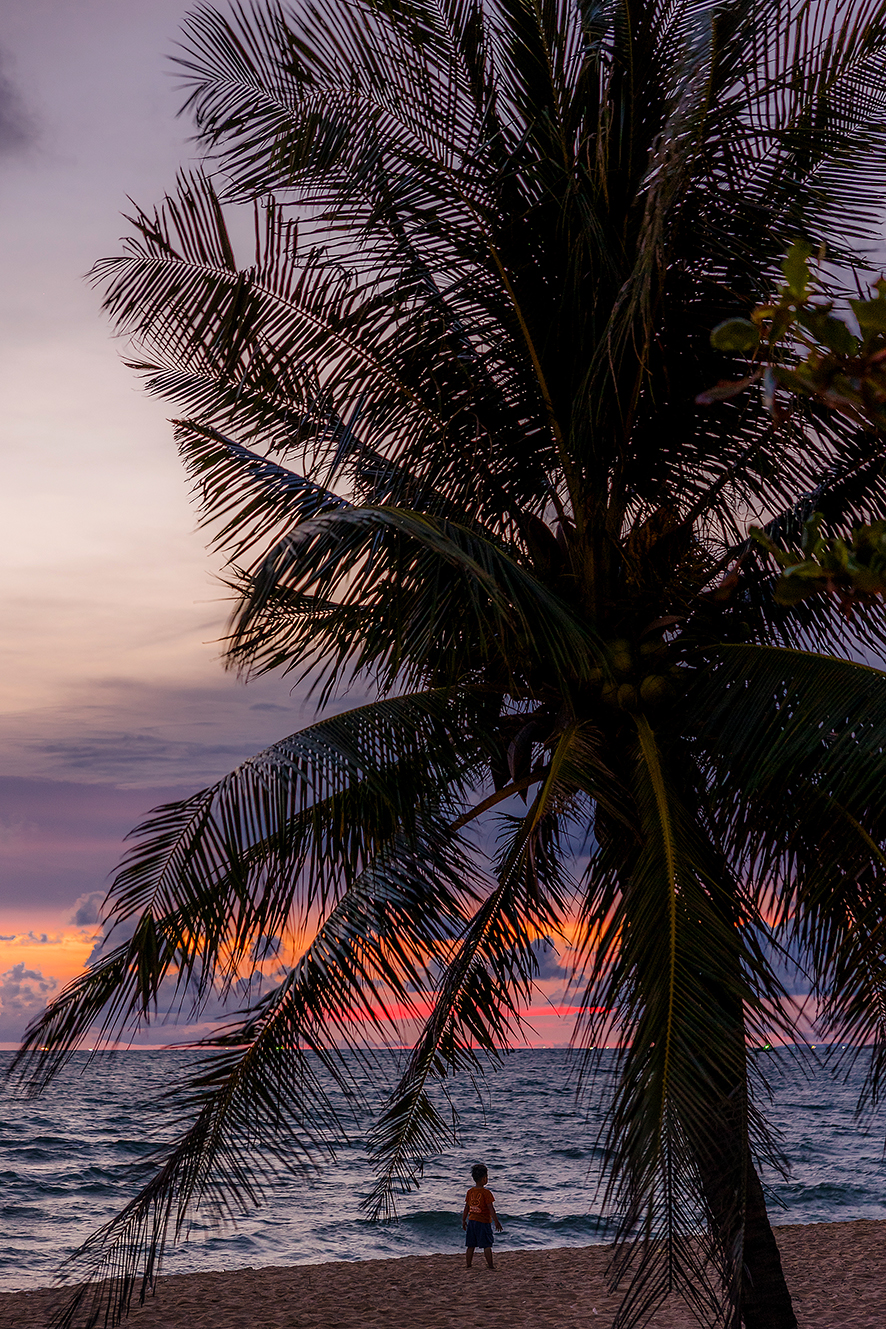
{"points": [[64, 1157]]}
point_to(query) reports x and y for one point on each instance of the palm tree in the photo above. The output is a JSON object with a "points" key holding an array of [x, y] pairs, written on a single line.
{"points": [[444, 427]]}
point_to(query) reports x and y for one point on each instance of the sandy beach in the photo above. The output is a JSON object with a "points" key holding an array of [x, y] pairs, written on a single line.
{"points": [[836, 1271]]}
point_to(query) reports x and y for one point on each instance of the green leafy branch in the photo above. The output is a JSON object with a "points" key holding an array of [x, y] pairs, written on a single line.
{"points": [[852, 570], [798, 347]]}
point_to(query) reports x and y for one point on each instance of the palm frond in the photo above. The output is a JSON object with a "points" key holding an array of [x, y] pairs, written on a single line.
{"points": [[264, 1104], [262, 853], [650, 926], [432, 598], [255, 499], [807, 734], [477, 1007]]}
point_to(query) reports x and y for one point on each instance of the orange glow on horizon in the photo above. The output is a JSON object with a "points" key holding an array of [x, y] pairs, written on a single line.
{"points": [[59, 956]]}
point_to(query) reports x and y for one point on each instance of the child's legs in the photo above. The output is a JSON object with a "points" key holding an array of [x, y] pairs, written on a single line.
{"points": [[487, 1256], [469, 1256]]}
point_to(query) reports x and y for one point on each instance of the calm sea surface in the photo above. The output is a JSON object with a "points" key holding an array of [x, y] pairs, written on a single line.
{"points": [[64, 1158]]}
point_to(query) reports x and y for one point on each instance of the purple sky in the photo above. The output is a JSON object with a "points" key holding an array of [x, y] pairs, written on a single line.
{"points": [[113, 698]]}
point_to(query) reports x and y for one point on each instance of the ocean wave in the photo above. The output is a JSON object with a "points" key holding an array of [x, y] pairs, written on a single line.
{"points": [[70, 1163]]}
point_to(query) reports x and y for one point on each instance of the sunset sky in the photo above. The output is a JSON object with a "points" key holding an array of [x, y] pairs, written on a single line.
{"points": [[113, 697]]}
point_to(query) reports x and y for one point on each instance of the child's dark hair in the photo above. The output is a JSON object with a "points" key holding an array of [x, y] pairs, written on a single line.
{"points": [[478, 1172]]}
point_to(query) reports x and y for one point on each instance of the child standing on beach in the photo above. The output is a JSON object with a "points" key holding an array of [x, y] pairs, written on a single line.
{"points": [[478, 1216]]}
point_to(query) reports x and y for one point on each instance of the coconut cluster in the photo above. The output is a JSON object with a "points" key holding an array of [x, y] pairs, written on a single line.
{"points": [[638, 678]]}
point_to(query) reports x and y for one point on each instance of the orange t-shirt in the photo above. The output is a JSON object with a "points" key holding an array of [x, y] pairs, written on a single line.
{"points": [[479, 1201]]}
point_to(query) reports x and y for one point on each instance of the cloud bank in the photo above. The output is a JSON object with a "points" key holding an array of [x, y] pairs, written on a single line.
{"points": [[17, 123]]}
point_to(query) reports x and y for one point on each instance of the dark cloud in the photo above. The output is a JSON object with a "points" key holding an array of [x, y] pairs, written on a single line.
{"points": [[17, 127], [548, 961], [788, 970], [115, 756], [23, 994], [71, 839], [265, 947], [87, 909], [115, 935], [122, 731]]}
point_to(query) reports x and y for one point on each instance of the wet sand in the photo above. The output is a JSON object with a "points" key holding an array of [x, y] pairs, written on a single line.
{"points": [[836, 1272]]}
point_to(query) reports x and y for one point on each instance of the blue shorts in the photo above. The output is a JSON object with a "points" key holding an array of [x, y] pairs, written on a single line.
{"points": [[478, 1234]]}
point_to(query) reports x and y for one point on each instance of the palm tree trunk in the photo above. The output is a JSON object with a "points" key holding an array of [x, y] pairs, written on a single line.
{"points": [[732, 1190], [765, 1299], [737, 1209]]}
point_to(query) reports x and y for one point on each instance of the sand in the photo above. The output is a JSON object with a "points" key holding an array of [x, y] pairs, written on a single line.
{"points": [[836, 1271]]}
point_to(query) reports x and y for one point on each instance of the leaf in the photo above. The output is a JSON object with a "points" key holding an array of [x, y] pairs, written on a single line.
{"points": [[259, 854], [796, 269], [445, 598], [871, 316], [798, 581], [832, 332], [736, 336]]}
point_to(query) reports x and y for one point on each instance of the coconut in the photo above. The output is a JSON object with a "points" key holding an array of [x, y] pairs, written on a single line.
{"points": [[621, 655], [655, 688]]}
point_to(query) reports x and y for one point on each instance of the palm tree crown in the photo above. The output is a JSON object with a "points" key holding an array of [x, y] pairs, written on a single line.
{"points": [[444, 426]]}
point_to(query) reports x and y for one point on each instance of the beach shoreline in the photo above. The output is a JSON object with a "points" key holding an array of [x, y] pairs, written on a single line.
{"points": [[836, 1272]]}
